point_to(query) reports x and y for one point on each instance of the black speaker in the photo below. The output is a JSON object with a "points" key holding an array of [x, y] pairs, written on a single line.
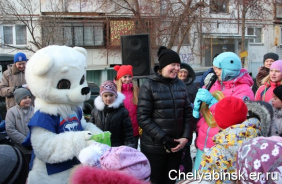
{"points": [[136, 52]]}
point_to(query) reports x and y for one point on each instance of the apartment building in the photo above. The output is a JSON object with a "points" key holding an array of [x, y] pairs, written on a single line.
{"points": [[97, 25]]}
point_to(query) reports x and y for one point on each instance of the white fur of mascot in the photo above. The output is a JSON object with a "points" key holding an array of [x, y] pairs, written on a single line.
{"points": [[56, 77]]}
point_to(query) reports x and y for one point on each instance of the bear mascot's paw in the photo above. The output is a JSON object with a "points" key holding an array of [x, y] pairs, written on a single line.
{"points": [[56, 76]]}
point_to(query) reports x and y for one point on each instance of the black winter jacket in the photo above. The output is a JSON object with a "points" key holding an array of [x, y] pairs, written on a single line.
{"points": [[114, 118], [163, 109], [191, 88]]}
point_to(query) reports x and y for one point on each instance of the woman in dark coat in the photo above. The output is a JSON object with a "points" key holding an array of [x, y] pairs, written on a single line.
{"points": [[164, 113], [109, 114], [268, 59], [187, 75]]}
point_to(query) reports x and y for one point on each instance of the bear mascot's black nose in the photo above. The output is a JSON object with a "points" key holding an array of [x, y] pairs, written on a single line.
{"points": [[85, 90]]}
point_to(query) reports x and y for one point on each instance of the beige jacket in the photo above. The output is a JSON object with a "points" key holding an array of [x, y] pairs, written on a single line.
{"points": [[11, 79], [16, 121]]}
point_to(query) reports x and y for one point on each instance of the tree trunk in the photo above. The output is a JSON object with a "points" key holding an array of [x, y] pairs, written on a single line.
{"points": [[243, 32]]}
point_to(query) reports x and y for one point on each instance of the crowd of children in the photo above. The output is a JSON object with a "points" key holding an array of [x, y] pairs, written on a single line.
{"points": [[247, 122], [235, 128], [244, 123]]}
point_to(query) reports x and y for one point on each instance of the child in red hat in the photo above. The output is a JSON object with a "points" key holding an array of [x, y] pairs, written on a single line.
{"points": [[130, 90], [230, 115]]}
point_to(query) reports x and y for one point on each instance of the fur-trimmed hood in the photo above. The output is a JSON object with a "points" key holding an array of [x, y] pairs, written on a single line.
{"points": [[264, 112], [100, 105], [191, 74]]}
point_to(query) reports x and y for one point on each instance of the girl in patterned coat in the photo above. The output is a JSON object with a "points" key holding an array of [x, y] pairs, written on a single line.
{"points": [[230, 115]]}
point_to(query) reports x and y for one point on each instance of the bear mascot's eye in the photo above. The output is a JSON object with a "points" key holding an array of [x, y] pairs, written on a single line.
{"points": [[82, 80], [64, 84]]}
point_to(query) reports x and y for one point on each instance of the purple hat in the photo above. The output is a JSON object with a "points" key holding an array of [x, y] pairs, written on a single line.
{"points": [[108, 87], [277, 65], [260, 155], [127, 160]]}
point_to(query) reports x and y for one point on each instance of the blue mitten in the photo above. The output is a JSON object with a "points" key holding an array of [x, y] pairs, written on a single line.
{"points": [[205, 96], [196, 109]]}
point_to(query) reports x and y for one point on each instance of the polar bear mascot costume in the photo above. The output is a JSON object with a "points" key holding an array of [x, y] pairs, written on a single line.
{"points": [[56, 77]]}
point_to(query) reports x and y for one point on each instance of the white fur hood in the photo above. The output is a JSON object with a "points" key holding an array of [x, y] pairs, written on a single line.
{"points": [[100, 105]]}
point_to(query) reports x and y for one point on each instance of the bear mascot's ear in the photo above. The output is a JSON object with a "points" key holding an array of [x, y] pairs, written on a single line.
{"points": [[43, 66], [81, 50]]}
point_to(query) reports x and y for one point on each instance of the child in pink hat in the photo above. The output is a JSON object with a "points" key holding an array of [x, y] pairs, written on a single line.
{"points": [[271, 81], [123, 159]]}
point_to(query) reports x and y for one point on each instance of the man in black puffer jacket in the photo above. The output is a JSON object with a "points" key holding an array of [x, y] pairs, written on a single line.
{"points": [[164, 113]]}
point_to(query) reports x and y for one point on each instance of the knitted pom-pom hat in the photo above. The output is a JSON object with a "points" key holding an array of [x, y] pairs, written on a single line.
{"points": [[18, 57], [127, 160], [277, 65], [270, 55], [20, 94], [230, 111], [167, 56], [123, 70], [108, 87]]}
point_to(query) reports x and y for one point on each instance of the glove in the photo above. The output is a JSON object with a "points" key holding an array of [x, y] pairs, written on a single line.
{"points": [[196, 109], [205, 96], [169, 143]]}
